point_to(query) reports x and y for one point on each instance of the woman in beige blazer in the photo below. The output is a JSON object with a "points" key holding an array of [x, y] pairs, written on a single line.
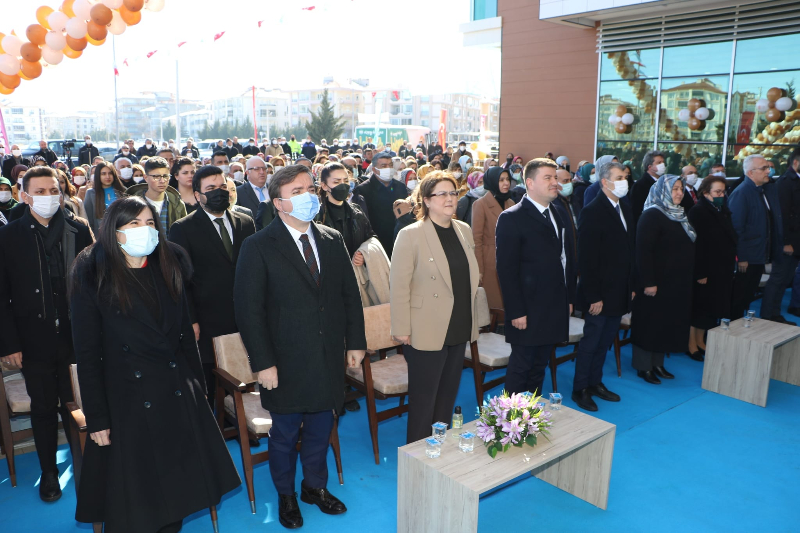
{"points": [[485, 211], [433, 287]]}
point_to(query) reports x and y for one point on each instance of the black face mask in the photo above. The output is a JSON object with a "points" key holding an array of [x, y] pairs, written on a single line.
{"points": [[341, 192], [509, 159], [218, 200]]}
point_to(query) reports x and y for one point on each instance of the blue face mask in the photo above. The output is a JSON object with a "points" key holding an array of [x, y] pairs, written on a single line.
{"points": [[771, 172], [140, 241], [304, 206], [352, 185]]}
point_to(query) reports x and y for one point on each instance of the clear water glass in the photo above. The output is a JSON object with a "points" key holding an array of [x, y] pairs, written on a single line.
{"points": [[466, 442], [555, 401], [725, 323], [751, 315], [439, 431], [433, 448]]}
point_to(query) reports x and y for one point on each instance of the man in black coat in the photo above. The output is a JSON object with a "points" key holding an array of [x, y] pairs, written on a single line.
{"points": [[789, 194], [654, 167], [380, 190], [87, 152], [237, 144], [605, 258], [531, 247], [36, 252], [230, 150], [251, 148], [147, 149], [309, 150], [190, 151], [13, 160], [212, 236], [46, 153], [298, 308]]}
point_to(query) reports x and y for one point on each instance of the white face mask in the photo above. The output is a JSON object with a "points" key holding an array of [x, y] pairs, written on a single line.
{"points": [[138, 179], [125, 153], [457, 175], [691, 179], [238, 176], [593, 178], [385, 174], [46, 206], [78, 180], [719, 173], [225, 168], [697, 183], [660, 169], [2, 151], [5, 196], [620, 189], [479, 191], [412, 184], [89, 142], [16, 153], [148, 144], [566, 190], [126, 173], [462, 148], [171, 145]]}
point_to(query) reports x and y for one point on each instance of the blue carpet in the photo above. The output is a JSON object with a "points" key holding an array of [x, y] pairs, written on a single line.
{"points": [[684, 460]]}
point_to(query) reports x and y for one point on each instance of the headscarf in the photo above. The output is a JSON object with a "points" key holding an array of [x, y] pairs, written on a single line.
{"points": [[491, 182], [463, 162], [603, 161], [660, 197], [423, 171], [473, 179], [586, 171], [16, 171], [513, 169], [486, 164], [404, 175]]}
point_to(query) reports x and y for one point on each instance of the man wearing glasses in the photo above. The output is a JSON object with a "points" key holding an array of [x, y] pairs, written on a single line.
{"points": [[159, 194]]}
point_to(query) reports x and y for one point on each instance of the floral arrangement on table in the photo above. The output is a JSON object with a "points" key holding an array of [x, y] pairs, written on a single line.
{"points": [[514, 419]]}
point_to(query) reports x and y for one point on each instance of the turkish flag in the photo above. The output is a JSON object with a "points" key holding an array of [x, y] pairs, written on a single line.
{"points": [[126, 62], [745, 127], [217, 36], [150, 54], [396, 95], [116, 71], [260, 22], [312, 8]]}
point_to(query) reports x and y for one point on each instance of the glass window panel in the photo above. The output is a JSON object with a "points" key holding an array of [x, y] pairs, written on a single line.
{"points": [[747, 124], [675, 96], [639, 98], [626, 151], [778, 154], [701, 156], [631, 65], [697, 59], [768, 53]]}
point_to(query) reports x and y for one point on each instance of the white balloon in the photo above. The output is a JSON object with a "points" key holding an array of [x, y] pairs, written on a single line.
{"points": [[701, 113], [784, 104], [55, 40], [112, 4], [57, 20], [684, 115], [76, 28], [612, 119], [9, 65], [117, 25], [81, 9], [627, 119], [154, 5], [53, 57], [762, 105], [11, 44]]}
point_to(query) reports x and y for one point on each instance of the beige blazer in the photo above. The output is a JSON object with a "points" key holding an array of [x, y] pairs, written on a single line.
{"points": [[421, 292]]}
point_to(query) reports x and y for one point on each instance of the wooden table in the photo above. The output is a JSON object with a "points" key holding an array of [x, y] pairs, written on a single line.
{"points": [[441, 495], [741, 361]]}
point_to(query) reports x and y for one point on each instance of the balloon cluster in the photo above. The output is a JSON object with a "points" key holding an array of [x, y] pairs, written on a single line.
{"points": [[65, 32], [695, 114], [775, 104], [621, 119]]}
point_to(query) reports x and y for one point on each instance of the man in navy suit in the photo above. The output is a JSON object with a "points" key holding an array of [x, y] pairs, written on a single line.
{"points": [[605, 259], [531, 247]]}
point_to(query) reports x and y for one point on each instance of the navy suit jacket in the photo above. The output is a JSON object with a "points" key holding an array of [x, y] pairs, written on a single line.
{"points": [[528, 250], [749, 216]]}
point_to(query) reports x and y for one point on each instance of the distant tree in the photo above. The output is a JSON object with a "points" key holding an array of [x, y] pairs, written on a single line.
{"points": [[324, 123], [170, 131]]}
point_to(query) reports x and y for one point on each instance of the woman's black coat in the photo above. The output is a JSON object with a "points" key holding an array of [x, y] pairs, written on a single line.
{"points": [[143, 380], [664, 259], [715, 259]]}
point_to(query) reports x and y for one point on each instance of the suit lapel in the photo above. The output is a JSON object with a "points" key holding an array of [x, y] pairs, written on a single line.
{"points": [[251, 195], [323, 250], [534, 213], [208, 227], [290, 251], [236, 224], [435, 246]]}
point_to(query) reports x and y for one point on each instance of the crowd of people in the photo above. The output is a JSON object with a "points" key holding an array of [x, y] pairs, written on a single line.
{"points": [[132, 267]]}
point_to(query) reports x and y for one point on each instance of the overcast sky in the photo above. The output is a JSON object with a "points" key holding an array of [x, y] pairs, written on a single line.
{"points": [[408, 43]]}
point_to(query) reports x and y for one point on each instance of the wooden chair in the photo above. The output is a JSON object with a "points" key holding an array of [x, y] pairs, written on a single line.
{"points": [[575, 336], [490, 352], [14, 401], [383, 379], [241, 407], [624, 340]]}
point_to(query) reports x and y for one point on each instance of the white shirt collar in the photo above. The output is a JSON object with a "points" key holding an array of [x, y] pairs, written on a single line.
{"points": [[539, 206], [296, 234], [212, 217], [615, 203]]}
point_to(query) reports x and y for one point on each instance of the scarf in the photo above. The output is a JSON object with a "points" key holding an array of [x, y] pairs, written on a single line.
{"points": [[491, 182], [603, 161], [660, 197], [586, 171]]}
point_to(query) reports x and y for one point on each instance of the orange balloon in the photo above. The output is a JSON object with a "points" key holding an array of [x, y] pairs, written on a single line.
{"points": [[70, 53], [30, 69], [774, 93], [36, 33], [621, 127], [66, 8], [30, 52], [96, 31], [12, 82], [42, 13], [133, 6], [621, 110], [131, 18], [774, 115], [94, 42], [77, 44], [1, 40], [23, 76], [5, 90], [100, 14], [693, 105]]}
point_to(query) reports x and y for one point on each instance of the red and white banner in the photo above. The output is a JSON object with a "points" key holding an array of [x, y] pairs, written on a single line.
{"points": [[443, 128]]}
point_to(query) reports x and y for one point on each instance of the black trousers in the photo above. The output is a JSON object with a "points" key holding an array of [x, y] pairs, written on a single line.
{"points": [[526, 368], [282, 446], [433, 379], [598, 334], [745, 285], [645, 360], [48, 382]]}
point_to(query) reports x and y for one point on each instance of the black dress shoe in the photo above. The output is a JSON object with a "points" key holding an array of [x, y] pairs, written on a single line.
{"points": [[327, 502], [289, 511], [584, 400], [661, 372], [794, 311], [49, 489], [603, 393], [697, 356], [648, 376], [352, 406]]}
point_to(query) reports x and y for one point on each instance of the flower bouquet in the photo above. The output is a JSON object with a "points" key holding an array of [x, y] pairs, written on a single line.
{"points": [[512, 419]]}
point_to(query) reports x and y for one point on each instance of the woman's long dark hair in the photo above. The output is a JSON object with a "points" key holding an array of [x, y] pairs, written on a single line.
{"points": [[324, 174], [106, 260], [99, 195]]}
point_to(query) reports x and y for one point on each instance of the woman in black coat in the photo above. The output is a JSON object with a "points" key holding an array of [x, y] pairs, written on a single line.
{"points": [[665, 263], [155, 454], [714, 264]]}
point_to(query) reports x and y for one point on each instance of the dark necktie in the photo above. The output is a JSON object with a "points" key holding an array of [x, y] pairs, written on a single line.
{"points": [[311, 261], [616, 208], [550, 222], [768, 211], [225, 236]]}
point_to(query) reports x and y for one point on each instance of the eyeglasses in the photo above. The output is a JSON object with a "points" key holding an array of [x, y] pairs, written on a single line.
{"points": [[442, 194], [763, 169], [159, 177], [258, 169]]}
